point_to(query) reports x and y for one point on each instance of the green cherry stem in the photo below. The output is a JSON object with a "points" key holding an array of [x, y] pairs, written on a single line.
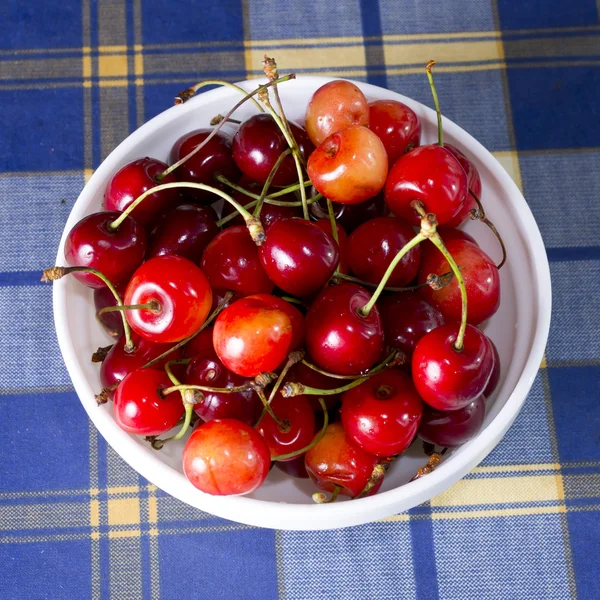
{"points": [[253, 224], [55, 273], [327, 374], [152, 306], [186, 94], [436, 101], [479, 215], [321, 498], [269, 199], [269, 181], [283, 425], [374, 285]]}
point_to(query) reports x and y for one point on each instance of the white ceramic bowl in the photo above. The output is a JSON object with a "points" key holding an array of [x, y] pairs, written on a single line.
{"points": [[519, 329]]}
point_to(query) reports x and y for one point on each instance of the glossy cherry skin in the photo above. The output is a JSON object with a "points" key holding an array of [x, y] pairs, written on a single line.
{"points": [[131, 181], [111, 321], [432, 175], [397, 126], [299, 419], [294, 315], [185, 231], [335, 106], [474, 182], [495, 377], [449, 429], [382, 414], [206, 369], [231, 262], [335, 460], [374, 245], [213, 159], [258, 144], [294, 467], [350, 166], [298, 256], [481, 277], [406, 318], [200, 343], [183, 295], [338, 338], [342, 241], [226, 457], [447, 234], [300, 373], [140, 408], [252, 337], [116, 254], [445, 378], [118, 363], [350, 216]]}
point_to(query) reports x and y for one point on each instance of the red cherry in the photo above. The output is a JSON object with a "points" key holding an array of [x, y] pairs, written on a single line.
{"points": [[350, 216], [299, 419], [452, 428], [335, 106], [226, 457], [382, 414], [294, 467], [213, 159], [116, 254], [406, 318], [231, 261], [481, 277], [185, 231], [298, 256], [334, 460], [342, 241], [432, 175], [448, 379], [111, 321], [181, 292], [200, 343], [495, 377], [140, 408], [474, 182], [338, 338], [118, 363], [374, 245], [447, 234], [350, 166], [258, 144], [397, 126], [206, 369], [251, 337], [132, 181]]}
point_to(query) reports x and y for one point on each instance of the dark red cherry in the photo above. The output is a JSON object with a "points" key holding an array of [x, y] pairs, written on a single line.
{"points": [[140, 408], [185, 231], [495, 377], [181, 295], [432, 175], [132, 181], [231, 262], [115, 253], [119, 363], [200, 343], [258, 144], [374, 245], [294, 467], [481, 277], [213, 159], [350, 216], [406, 318], [206, 369], [342, 241], [335, 460], [251, 336], [111, 321], [474, 182], [397, 126], [452, 428], [338, 338], [295, 316], [298, 256], [299, 425], [226, 457], [448, 379], [382, 414]]}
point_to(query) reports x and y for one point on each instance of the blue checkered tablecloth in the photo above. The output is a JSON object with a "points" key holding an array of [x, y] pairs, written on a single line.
{"points": [[76, 76]]}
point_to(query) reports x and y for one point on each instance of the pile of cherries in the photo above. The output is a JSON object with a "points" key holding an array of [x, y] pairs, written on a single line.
{"points": [[298, 296]]}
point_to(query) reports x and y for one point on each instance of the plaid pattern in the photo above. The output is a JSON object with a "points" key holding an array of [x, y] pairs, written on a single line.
{"points": [[76, 77]]}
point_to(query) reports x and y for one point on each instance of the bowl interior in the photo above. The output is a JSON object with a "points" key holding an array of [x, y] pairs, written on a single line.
{"points": [[519, 329]]}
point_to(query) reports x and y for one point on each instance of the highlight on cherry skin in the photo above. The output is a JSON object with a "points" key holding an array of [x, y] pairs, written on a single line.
{"points": [[294, 295]]}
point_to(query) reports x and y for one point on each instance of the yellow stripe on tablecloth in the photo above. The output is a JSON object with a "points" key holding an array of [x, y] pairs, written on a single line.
{"points": [[509, 159], [444, 52]]}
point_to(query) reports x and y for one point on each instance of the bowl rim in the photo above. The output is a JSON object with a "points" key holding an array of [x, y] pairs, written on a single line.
{"points": [[282, 515]]}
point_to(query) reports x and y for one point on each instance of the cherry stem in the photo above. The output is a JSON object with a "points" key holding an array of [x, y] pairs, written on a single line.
{"points": [[218, 118], [269, 181], [204, 388], [186, 94], [327, 374], [378, 473], [368, 307], [254, 225], [267, 408], [248, 96], [204, 325], [321, 498], [55, 273], [432, 463], [436, 101], [100, 354], [479, 215], [153, 306], [374, 285], [315, 440]]}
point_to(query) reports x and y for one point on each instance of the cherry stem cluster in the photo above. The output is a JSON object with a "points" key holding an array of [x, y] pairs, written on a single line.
{"points": [[269, 181], [186, 94]]}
